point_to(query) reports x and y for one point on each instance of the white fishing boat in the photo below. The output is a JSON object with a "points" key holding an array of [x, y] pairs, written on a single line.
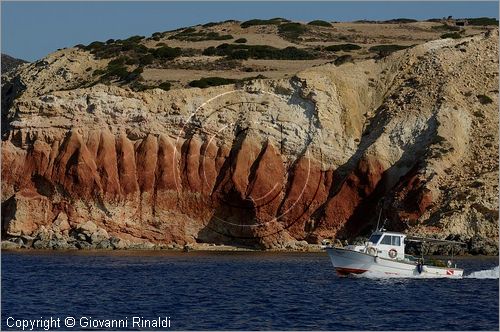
{"points": [[384, 253]]}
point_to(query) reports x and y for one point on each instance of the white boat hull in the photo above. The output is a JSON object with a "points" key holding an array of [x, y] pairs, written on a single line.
{"points": [[349, 261]]}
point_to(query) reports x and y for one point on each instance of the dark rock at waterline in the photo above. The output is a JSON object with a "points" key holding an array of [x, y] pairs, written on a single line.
{"points": [[10, 245], [83, 245], [41, 244], [104, 244], [482, 246]]}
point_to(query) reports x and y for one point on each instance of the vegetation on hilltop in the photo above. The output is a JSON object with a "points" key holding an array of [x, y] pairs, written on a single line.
{"points": [[243, 52], [272, 21], [454, 35], [128, 58], [482, 21], [320, 23], [400, 20], [191, 34], [291, 30], [206, 82], [343, 47]]}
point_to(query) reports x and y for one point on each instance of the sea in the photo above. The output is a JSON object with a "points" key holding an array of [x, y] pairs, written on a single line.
{"points": [[55, 290]]}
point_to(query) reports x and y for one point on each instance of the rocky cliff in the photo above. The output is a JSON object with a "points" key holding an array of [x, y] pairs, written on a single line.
{"points": [[9, 63], [264, 163]]}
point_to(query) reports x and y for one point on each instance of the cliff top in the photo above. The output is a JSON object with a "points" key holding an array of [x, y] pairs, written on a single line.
{"points": [[219, 53]]}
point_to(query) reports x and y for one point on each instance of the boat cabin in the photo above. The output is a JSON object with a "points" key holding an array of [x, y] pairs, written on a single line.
{"points": [[387, 244], [383, 244]]}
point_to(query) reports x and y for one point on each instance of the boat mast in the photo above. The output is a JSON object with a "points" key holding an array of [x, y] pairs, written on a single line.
{"points": [[379, 215]]}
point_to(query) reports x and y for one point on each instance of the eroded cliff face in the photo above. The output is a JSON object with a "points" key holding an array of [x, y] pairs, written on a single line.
{"points": [[266, 164]]}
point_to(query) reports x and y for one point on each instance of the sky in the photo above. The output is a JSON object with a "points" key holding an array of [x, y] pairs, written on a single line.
{"points": [[31, 30]]}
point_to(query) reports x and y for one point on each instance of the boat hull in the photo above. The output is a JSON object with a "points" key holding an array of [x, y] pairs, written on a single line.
{"points": [[353, 262]]}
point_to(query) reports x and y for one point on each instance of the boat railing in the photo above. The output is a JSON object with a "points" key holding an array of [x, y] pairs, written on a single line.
{"points": [[411, 258]]}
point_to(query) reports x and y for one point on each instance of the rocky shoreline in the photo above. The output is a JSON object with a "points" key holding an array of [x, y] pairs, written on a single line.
{"points": [[89, 236]]}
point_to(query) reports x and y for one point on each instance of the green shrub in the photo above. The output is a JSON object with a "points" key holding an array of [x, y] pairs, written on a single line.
{"points": [[291, 30], [134, 74], [210, 24], [165, 86], [241, 40], [137, 86], [118, 61], [134, 39], [280, 19], [157, 36], [342, 59], [391, 48], [293, 53], [205, 82], [131, 49], [385, 50], [130, 61], [400, 20], [240, 51], [272, 21], [445, 27], [139, 48], [95, 45], [138, 70], [117, 71], [210, 51], [166, 52], [146, 59], [192, 35], [216, 36], [320, 23], [239, 55], [342, 47], [188, 30], [98, 72], [454, 35], [482, 21], [484, 99]]}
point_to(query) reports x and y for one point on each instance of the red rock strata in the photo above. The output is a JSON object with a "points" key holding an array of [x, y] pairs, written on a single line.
{"points": [[166, 191]]}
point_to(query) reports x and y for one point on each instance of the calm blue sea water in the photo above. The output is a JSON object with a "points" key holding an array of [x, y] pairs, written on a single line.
{"points": [[240, 291]]}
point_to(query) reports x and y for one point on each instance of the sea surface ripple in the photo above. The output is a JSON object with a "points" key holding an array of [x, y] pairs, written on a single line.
{"points": [[243, 291]]}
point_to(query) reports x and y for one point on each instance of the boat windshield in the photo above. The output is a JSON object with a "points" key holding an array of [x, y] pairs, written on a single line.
{"points": [[374, 238]]}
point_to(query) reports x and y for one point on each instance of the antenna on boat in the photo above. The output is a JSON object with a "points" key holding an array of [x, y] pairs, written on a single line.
{"points": [[379, 215]]}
